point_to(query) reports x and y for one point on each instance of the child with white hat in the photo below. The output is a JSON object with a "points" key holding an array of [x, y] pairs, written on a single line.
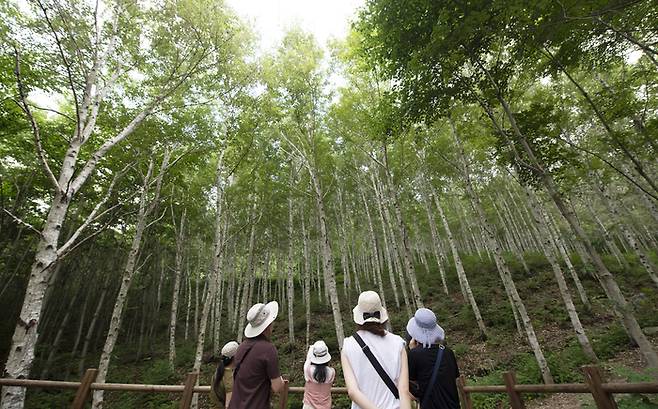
{"points": [[319, 377]]}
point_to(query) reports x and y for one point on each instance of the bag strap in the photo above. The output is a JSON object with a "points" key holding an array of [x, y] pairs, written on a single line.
{"points": [[435, 373], [237, 366], [375, 363]]}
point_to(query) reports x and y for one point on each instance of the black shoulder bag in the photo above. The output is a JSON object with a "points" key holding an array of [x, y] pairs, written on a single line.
{"points": [[435, 373], [375, 364]]}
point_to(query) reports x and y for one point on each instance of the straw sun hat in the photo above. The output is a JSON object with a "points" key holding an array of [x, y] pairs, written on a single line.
{"points": [[320, 353], [259, 317], [369, 309], [423, 328]]}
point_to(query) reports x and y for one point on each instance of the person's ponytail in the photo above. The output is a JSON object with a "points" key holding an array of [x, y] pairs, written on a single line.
{"points": [[219, 374], [320, 373]]}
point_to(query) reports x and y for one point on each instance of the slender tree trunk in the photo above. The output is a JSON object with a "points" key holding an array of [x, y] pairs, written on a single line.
{"points": [[435, 239], [461, 274], [610, 285], [327, 257], [386, 250], [58, 339], [92, 326], [307, 281], [145, 210], [81, 324], [404, 237], [628, 235], [393, 249], [218, 252], [174, 298], [505, 274], [290, 284], [548, 248], [248, 277]]}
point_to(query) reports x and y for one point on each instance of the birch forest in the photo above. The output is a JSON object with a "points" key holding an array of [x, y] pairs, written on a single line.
{"points": [[160, 172]]}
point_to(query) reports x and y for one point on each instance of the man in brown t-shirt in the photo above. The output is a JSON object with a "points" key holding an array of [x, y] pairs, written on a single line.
{"points": [[256, 372]]}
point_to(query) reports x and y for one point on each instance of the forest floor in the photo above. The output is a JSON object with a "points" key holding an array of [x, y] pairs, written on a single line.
{"points": [[624, 367]]}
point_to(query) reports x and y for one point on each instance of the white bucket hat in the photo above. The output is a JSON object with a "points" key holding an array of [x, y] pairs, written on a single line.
{"points": [[369, 309], [230, 349], [259, 317], [320, 353]]}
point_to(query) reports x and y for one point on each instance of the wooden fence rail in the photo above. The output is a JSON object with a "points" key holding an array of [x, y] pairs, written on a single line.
{"points": [[594, 385]]}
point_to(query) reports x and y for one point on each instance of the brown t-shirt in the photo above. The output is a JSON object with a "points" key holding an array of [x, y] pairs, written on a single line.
{"points": [[259, 362]]}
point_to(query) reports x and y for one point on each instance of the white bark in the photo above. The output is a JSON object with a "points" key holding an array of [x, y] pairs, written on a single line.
{"points": [[436, 246], [174, 298], [146, 208], [218, 252], [403, 236], [307, 282], [393, 249], [626, 232], [386, 248], [290, 284], [503, 270], [461, 274], [548, 247], [604, 276]]}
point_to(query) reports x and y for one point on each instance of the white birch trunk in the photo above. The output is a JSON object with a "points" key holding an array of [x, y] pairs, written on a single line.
{"points": [[548, 247], [435, 242], [327, 257], [174, 298], [290, 284], [218, 252], [307, 282], [603, 274], [403, 238], [461, 274], [145, 210], [628, 235], [501, 265]]}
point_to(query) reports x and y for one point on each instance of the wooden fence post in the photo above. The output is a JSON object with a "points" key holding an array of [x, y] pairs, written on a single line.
{"points": [[82, 394], [188, 392], [464, 396], [514, 396], [594, 379]]}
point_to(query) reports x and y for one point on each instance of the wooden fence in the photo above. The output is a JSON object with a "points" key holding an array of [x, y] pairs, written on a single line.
{"points": [[594, 385]]}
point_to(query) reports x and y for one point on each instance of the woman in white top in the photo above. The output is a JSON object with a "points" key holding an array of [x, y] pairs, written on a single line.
{"points": [[365, 386]]}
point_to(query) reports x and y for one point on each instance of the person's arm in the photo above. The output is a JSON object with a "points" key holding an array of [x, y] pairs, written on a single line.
{"points": [[403, 381], [307, 363], [272, 368], [353, 390], [228, 398], [278, 384]]}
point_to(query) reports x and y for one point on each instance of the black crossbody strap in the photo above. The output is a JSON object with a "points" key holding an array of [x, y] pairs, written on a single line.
{"points": [[435, 373], [237, 367], [375, 364]]}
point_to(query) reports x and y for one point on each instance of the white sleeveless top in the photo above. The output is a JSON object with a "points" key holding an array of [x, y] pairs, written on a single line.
{"points": [[387, 351]]}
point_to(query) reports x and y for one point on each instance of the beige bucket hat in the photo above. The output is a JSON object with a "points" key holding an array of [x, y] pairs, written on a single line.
{"points": [[369, 309], [259, 317]]}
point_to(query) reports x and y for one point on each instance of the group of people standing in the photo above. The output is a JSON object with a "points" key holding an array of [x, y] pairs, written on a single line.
{"points": [[381, 369]]}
